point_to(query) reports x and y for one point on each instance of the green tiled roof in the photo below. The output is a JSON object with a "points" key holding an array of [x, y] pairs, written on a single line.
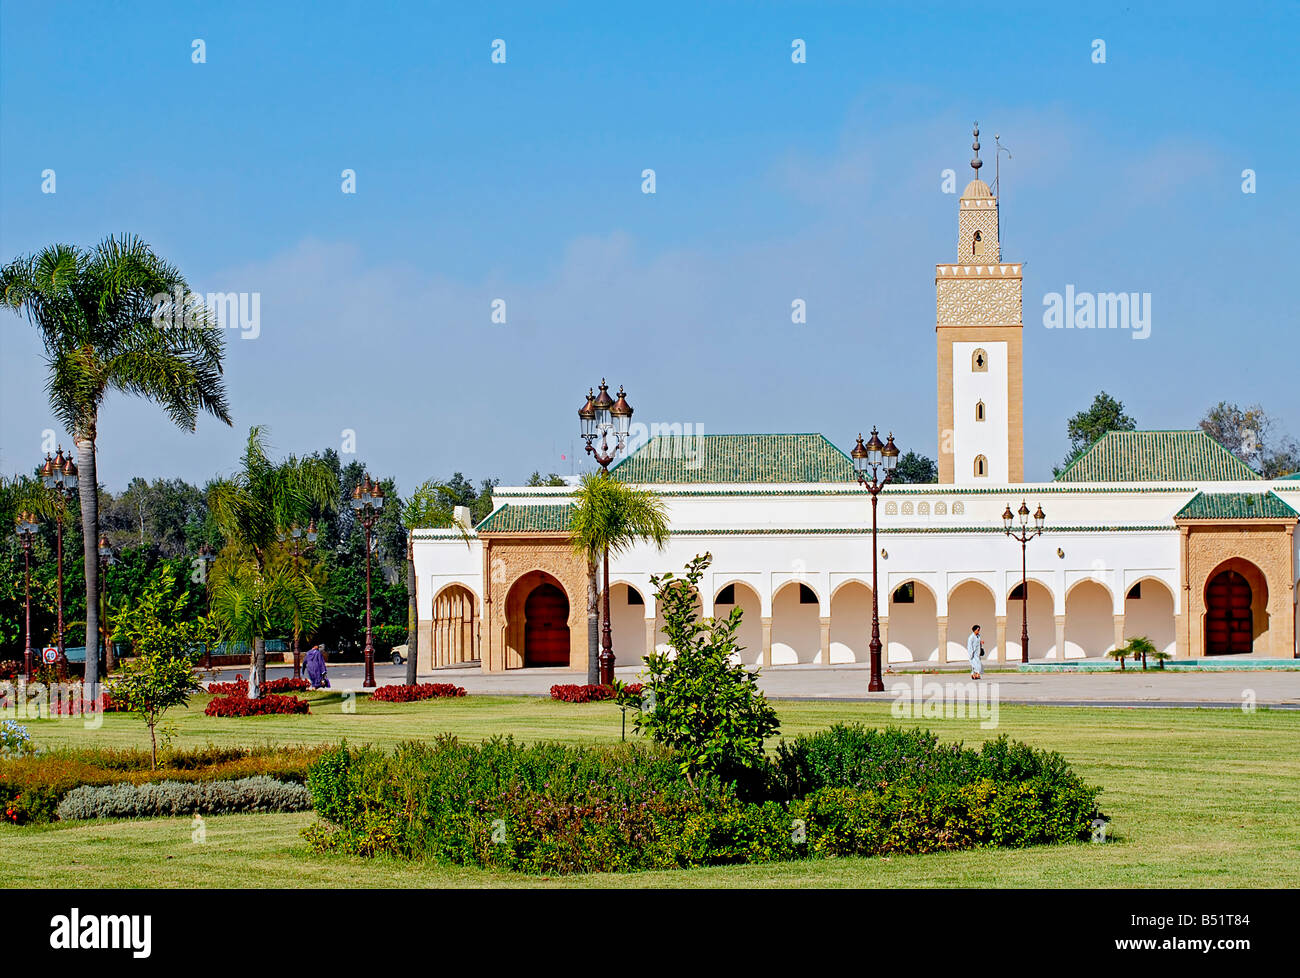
{"points": [[1236, 506], [1157, 456], [734, 459], [512, 518]]}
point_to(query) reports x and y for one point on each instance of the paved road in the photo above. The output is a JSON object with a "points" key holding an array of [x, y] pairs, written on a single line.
{"points": [[849, 682]]}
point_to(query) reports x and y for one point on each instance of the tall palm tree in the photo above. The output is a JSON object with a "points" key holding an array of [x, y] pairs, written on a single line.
{"points": [[251, 507], [609, 517], [95, 310]]}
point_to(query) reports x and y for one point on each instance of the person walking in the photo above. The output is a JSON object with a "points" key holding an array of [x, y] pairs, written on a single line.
{"points": [[975, 652], [316, 671]]}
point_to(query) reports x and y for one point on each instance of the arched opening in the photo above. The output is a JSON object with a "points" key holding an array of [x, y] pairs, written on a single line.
{"points": [[1089, 621], [977, 244], [546, 626], [451, 627], [981, 465], [627, 624], [1229, 614], [851, 623], [750, 633], [796, 625], [1042, 623], [979, 362], [971, 603], [913, 624], [1149, 612], [979, 410]]}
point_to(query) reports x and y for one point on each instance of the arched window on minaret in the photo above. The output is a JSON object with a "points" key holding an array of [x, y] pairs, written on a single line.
{"points": [[979, 410], [979, 362], [981, 466], [977, 245]]}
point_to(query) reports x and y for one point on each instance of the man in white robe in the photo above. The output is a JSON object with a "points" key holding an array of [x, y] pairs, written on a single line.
{"points": [[975, 652]]}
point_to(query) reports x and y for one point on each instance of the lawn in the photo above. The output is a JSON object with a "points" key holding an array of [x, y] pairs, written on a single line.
{"points": [[1197, 797]]}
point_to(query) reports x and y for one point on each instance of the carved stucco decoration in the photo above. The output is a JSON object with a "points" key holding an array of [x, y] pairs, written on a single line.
{"points": [[978, 302]]}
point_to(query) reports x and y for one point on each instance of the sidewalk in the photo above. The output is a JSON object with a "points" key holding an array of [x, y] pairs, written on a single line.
{"points": [[849, 682]]}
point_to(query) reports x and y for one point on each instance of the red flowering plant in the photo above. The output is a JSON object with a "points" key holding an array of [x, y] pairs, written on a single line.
{"points": [[419, 691], [590, 693], [242, 706], [240, 686]]}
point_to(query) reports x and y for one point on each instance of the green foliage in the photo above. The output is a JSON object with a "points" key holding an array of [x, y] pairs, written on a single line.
{"points": [[32, 786], [701, 703], [1250, 434], [161, 798], [917, 469], [1142, 648], [611, 515], [1084, 429]]}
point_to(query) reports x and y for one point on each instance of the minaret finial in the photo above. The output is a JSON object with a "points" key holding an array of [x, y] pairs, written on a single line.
{"points": [[976, 163]]}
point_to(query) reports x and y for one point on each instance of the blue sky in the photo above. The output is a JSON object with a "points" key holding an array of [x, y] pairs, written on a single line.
{"points": [[774, 181]]}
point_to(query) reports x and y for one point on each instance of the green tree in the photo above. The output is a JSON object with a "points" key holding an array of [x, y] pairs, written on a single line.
{"points": [[1085, 428], [252, 508], [103, 330], [1251, 435], [917, 469], [609, 517], [702, 702], [537, 480]]}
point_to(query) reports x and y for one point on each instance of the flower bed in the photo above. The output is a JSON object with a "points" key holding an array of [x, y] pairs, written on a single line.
{"points": [[242, 706], [32, 786], [589, 693], [240, 687], [550, 808], [420, 691]]}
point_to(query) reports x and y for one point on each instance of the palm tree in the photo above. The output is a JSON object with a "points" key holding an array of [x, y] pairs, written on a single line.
{"points": [[97, 312], [251, 508], [609, 517]]}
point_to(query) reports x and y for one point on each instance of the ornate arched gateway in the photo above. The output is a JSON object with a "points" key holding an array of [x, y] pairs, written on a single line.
{"points": [[1229, 617], [546, 626]]}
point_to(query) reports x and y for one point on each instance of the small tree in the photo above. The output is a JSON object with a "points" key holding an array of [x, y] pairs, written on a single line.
{"points": [[161, 675], [1121, 654], [701, 703], [1142, 648]]}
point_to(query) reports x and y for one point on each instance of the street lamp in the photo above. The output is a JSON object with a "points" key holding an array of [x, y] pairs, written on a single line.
{"points": [[1024, 535], [59, 475], [25, 525], [870, 459], [602, 415], [106, 558], [367, 501], [296, 533]]}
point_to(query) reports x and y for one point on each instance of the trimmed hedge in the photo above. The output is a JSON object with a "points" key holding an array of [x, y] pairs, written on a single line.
{"points": [[419, 691], [256, 794], [551, 808], [31, 787]]}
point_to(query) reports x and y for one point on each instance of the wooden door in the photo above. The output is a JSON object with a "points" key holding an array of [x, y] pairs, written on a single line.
{"points": [[546, 627], [1229, 622]]}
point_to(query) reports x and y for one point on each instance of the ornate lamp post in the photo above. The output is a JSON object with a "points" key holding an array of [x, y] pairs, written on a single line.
{"points": [[602, 415], [25, 525], [106, 558], [367, 501], [206, 558], [869, 460], [1024, 535], [296, 534], [59, 475]]}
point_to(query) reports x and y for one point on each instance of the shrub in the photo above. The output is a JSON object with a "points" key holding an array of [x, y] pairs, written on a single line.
{"points": [[242, 706], [420, 691], [255, 794], [10, 669], [15, 741], [32, 786], [703, 705], [590, 693], [239, 687], [550, 808]]}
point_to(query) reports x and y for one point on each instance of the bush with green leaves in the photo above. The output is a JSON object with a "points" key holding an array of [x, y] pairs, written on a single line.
{"points": [[15, 741], [553, 808], [697, 700], [156, 798]]}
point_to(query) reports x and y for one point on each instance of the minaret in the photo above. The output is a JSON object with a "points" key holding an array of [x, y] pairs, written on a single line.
{"points": [[979, 331]]}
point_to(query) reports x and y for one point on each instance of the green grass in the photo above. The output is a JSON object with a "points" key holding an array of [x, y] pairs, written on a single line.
{"points": [[1197, 797]]}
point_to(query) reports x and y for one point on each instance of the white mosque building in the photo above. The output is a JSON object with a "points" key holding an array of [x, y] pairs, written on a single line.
{"points": [[1163, 534]]}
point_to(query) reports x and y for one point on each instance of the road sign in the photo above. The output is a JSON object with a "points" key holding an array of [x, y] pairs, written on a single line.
{"points": [[50, 654]]}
